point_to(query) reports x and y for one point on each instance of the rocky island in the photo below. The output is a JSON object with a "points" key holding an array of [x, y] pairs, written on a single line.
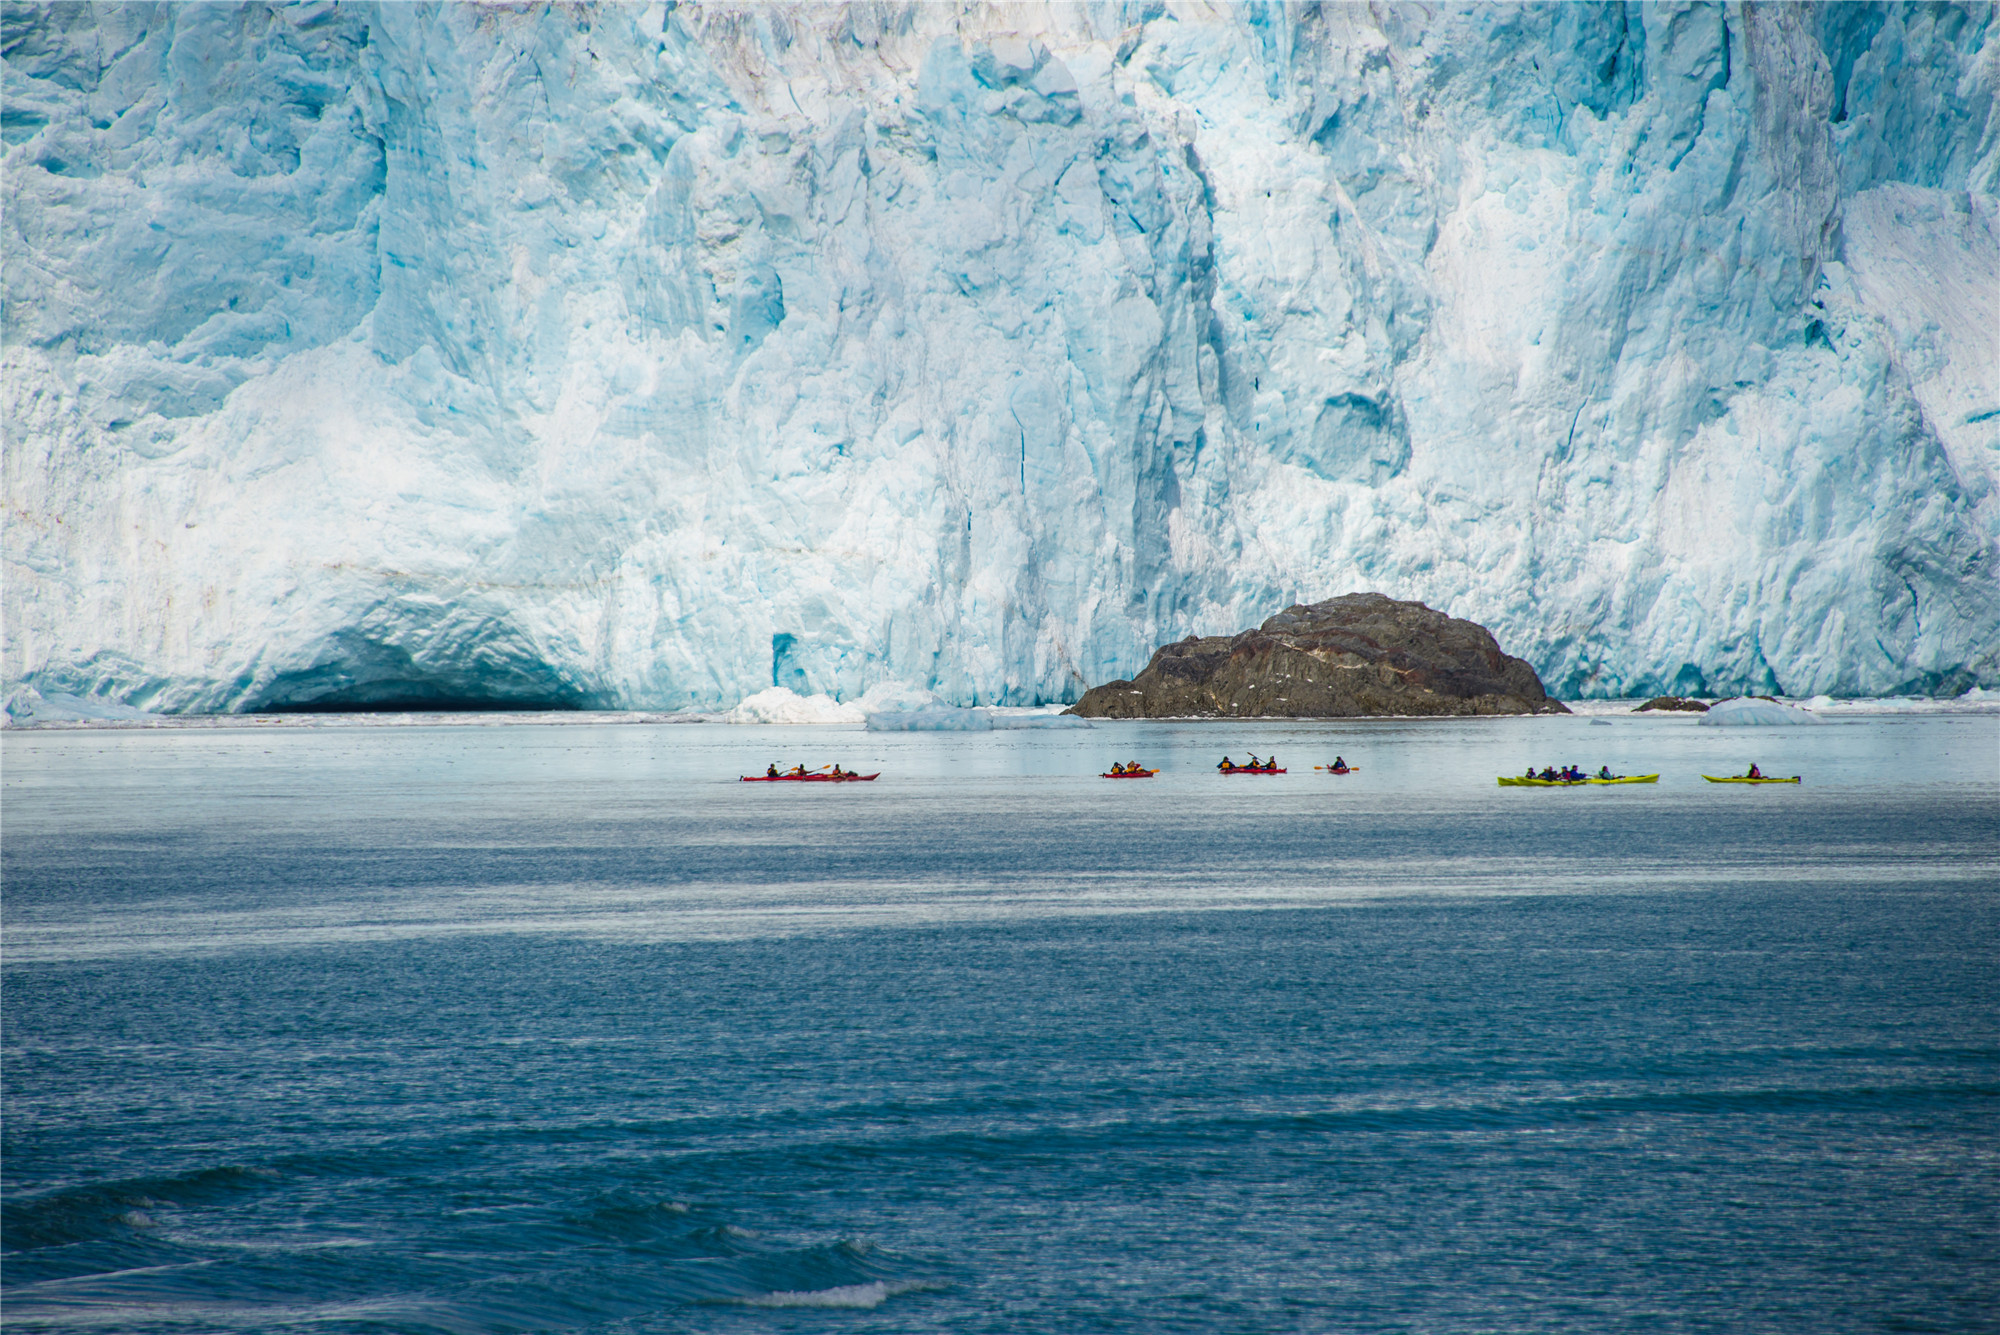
{"points": [[1357, 655]]}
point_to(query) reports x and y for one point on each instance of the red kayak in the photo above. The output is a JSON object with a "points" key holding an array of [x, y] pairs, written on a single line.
{"points": [[1131, 774], [1245, 769], [812, 778]]}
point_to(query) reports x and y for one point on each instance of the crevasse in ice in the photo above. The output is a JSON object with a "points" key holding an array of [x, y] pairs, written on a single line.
{"points": [[657, 356]]}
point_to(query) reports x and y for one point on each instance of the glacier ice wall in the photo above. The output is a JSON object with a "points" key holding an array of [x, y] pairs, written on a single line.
{"points": [[652, 355]]}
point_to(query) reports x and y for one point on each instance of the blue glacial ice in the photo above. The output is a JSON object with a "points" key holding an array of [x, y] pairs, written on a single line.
{"points": [[655, 356]]}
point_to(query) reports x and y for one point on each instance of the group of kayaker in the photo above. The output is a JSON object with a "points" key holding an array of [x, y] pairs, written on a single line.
{"points": [[1548, 774], [1571, 774], [833, 771], [1568, 774]]}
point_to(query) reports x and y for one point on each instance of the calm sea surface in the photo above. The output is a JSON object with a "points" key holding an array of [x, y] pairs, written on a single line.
{"points": [[512, 1027]]}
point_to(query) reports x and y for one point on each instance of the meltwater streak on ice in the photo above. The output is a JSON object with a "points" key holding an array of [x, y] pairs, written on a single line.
{"points": [[1712, 1060]]}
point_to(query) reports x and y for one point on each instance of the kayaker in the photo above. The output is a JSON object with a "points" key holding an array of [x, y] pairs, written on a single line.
{"points": [[1271, 763], [1225, 764], [1338, 764], [1754, 773], [798, 771], [1117, 767], [1133, 767], [771, 771], [1604, 771]]}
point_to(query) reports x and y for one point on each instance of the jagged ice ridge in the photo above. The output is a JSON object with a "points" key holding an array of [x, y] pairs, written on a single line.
{"points": [[651, 356]]}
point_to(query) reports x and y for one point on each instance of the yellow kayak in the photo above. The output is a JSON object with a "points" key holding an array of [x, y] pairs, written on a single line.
{"points": [[1738, 778], [1523, 781]]}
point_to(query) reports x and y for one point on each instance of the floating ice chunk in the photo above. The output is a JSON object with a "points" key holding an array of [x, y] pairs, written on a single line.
{"points": [[1050, 716], [896, 695], [28, 705], [943, 718], [1974, 701], [1754, 714], [780, 705]]}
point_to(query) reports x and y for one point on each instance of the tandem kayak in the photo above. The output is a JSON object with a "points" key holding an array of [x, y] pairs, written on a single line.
{"points": [[812, 778], [1245, 769], [1522, 781], [1131, 774], [1738, 778]]}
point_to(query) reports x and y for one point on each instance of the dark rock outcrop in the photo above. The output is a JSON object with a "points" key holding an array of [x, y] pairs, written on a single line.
{"points": [[1673, 703], [1349, 657]]}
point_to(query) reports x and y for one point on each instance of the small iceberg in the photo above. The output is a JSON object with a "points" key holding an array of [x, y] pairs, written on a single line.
{"points": [[1748, 713], [1048, 716], [28, 705], [938, 718], [779, 705]]}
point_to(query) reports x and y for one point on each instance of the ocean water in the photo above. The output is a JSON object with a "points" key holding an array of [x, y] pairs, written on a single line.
{"points": [[495, 1025]]}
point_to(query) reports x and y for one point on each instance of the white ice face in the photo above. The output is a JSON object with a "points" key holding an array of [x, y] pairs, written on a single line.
{"points": [[653, 357]]}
